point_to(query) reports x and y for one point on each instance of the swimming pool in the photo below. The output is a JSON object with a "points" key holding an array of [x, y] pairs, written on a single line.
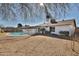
{"points": [[18, 34]]}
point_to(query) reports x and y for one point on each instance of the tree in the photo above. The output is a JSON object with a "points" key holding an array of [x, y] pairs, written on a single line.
{"points": [[19, 25]]}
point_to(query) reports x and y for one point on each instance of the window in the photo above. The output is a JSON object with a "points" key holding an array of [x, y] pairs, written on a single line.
{"points": [[52, 29]]}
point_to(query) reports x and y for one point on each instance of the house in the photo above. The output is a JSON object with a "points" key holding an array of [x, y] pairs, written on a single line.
{"points": [[30, 29], [65, 27], [60, 27]]}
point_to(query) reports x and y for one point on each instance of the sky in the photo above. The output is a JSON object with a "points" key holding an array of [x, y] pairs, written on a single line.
{"points": [[73, 13]]}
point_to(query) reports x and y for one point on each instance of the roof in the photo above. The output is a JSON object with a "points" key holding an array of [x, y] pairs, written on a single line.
{"points": [[61, 23], [69, 21]]}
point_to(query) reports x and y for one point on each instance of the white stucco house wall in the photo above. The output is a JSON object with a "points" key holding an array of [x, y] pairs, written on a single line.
{"points": [[65, 25], [30, 30]]}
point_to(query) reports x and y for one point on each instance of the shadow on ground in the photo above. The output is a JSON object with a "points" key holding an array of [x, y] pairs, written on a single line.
{"points": [[55, 36]]}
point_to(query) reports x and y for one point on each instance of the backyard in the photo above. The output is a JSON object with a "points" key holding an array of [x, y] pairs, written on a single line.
{"points": [[37, 45]]}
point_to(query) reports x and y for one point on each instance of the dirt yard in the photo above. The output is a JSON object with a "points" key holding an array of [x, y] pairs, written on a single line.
{"points": [[36, 46]]}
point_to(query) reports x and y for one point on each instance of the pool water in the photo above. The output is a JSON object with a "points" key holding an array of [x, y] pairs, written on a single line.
{"points": [[18, 33]]}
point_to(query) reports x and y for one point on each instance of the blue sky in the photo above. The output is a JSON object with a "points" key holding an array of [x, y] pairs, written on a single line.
{"points": [[73, 13]]}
